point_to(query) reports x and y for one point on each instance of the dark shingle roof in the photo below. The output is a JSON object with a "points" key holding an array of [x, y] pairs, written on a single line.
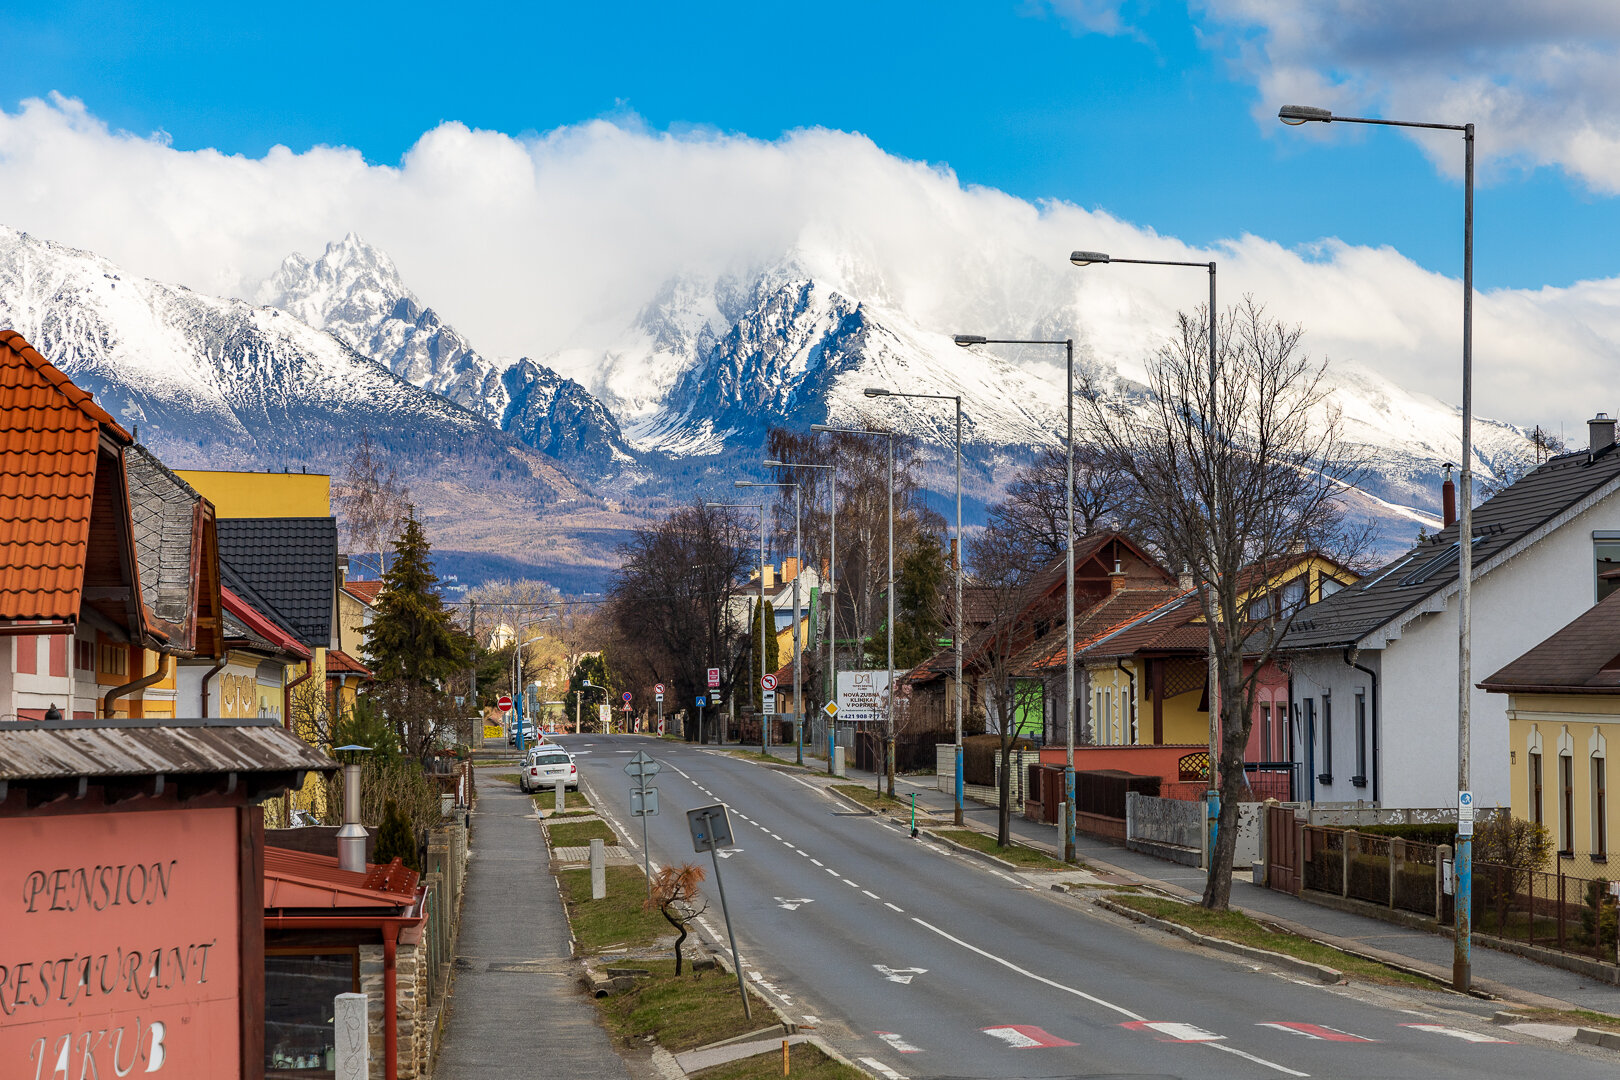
{"points": [[164, 510], [1518, 514], [1582, 658], [290, 564]]}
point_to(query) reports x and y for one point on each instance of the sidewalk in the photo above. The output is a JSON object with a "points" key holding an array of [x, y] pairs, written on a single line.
{"points": [[1498, 973], [516, 1008]]}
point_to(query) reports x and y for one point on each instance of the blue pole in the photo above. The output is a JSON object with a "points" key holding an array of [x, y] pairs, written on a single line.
{"points": [[519, 704], [959, 787], [1068, 813], [1463, 924]]}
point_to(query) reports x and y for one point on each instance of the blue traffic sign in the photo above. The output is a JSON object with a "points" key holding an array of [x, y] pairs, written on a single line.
{"points": [[702, 701]]}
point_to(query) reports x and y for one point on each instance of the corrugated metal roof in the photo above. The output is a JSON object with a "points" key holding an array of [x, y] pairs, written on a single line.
{"points": [[66, 749]]}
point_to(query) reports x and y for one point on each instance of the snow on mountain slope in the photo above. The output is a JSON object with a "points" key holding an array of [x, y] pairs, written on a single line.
{"points": [[355, 292], [223, 384]]}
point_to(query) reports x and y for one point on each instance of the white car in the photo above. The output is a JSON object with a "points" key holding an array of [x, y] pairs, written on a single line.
{"points": [[547, 765]]}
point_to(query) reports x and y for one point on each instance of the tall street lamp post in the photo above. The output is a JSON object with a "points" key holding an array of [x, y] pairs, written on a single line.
{"points": [[1212, 803], [957, 635], [761, 508], [798, 571], [965, 341], [832, 573], [887, 767], [1295, 115]]}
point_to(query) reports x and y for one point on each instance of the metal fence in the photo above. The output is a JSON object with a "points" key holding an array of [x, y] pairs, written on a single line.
{"points": [[1547, 908]]}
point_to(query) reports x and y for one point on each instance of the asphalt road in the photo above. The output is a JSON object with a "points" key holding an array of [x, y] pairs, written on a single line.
{"points": [[924, 963]]}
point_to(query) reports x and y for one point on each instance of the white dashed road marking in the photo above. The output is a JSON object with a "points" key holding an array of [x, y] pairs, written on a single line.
{"points": [[896, 1043], [891, 907], [881, 1069], [1456, 1033]]}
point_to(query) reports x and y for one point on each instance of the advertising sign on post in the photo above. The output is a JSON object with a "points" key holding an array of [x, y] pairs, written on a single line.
{"points": [[863, 696], [714, 677]]}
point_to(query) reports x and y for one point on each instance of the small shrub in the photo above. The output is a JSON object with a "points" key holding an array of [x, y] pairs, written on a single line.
{"points": [[1598, 917], [395, 839]]}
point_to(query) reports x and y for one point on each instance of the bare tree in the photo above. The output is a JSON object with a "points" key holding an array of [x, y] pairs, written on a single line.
{"points": [[675, 896], [1005, 579], [372, 506], [1033, 514], [1241, 467]]}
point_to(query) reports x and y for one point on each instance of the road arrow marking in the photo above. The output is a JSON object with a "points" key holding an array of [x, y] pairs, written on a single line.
{"points": [[1025, 1036], [793, 905], [1457, 1033], [728, 852], [896, 1043], [1315, 1031], [900, 975]]}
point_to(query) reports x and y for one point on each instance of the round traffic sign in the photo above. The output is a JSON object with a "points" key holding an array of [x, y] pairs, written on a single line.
{"points": [[627, 695], [505, 702], [768, 681], [658, 688]]}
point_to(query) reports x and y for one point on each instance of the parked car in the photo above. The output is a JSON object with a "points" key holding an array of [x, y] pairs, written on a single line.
{"points": [[546, 766], [531, 735]]}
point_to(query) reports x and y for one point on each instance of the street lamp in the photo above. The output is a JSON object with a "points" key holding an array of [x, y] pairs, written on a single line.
{"points": [[876, 392], [1295, 115], [798, 570], [1211, 794], [967, 341], [888, 757], [579, 696], [761, 508], [832, 611]]}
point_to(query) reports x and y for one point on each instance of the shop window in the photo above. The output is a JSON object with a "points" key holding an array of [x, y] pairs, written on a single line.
{"points": [[298, 993]]}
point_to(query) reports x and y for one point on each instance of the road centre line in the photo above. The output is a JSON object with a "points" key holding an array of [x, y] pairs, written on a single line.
{"points": [[818, 862], [872, 894], [833, 872], [850, 883], [1251, 1057], [1029, 974], [893, 908]]}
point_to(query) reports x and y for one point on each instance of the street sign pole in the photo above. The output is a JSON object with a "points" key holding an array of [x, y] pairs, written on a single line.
{"points": [[710, 829]]}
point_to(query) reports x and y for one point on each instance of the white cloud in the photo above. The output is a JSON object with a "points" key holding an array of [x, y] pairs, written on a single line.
{"points": [[550, 245], [1539, 78]]}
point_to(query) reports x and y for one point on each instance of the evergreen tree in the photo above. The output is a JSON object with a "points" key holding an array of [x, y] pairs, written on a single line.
{"points": [[918, 610], [773, 650], [412, 637], [395, 839], [593, 668]]}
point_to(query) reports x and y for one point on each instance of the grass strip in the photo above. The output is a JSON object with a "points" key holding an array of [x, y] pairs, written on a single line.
{"points": [[573, 800], [1577, 1017], [1238, 927], [1015, 853], [805, 1061], [580, 833], [870, 797], [616, 919], [682, 1013], [509, 777]]}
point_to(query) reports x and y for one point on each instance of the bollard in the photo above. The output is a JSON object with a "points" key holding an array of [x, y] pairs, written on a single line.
{"points": [[784, 1057], [562, 795], [351, 1053], [838, 762], [598, 869]]}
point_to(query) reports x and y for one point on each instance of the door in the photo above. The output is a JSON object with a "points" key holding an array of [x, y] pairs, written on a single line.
{"points": [[1282, 850]]}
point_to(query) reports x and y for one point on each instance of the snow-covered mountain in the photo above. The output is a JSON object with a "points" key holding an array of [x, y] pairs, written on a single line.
{"points": [[355, 293], [224, 384]]}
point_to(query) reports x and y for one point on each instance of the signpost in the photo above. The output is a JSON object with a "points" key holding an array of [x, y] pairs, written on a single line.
{"points": [[831, 709], [643, 801], [1465, 813], [658, 696], [711, 831], [767, 682], [604, 717], [714, 677], [767, 701]]}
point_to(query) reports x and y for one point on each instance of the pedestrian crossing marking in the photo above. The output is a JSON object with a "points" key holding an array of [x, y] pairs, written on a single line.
{"points": [[1314, 1031], [1025, 1036], [1456, 1033]]}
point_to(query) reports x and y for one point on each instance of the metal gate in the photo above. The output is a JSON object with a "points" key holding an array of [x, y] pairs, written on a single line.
{"points": [[1282, 850]]}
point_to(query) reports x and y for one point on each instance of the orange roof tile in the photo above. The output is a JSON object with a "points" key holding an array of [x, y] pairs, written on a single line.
{"points": [[363, 591], [49, 433], [339, 662]]}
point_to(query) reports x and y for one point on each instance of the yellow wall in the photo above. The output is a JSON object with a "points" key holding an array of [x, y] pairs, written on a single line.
{"points": [[1584, 725], [263, 494]]}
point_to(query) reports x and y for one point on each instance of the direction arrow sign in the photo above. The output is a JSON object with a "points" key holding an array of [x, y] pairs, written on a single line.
{"points": [[900, 975], [660, 727], [642, 765], [768, 681], [793, 905]]}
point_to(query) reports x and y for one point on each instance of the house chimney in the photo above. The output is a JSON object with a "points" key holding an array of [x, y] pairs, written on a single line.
{"points": [[790, 570], [1448, 500], [351, 839], [1601, 430], [1116, 578], [952, 563], [770, 575]]}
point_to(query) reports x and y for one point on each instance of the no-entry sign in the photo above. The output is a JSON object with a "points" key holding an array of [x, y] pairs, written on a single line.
{"points": [[505, 702]]}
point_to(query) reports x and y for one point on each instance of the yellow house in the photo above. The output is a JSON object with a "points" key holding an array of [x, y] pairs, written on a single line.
{"points": [[1563, 707], [1147, 678]]}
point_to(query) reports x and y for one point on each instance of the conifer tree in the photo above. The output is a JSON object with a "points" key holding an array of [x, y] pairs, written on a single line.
{"points": [[773, 650], [411, 636], [394, 838]]}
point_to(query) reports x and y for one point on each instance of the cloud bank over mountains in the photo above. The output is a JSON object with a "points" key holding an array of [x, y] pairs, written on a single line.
{"points": [[549, 245]]}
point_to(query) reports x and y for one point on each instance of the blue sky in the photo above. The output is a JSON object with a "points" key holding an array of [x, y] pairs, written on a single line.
{"points": [[1153, 123]]}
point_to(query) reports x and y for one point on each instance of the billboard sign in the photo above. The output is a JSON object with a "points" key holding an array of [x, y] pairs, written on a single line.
{"points": [[863, 696]]}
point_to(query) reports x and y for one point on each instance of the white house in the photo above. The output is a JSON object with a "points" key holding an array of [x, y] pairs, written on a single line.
{"points": [[1373, 669]]}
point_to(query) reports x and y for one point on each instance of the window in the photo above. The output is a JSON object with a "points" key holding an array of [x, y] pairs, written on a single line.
{"points": [[1307, 719], [1535, 787], [1605, 559], [1327, 739], [1294, 595], [84, 655], [1330, 586], [1600, 808], [27, 654], [298, 993], [1360, 779], [1265, 730], [1566, 803]]}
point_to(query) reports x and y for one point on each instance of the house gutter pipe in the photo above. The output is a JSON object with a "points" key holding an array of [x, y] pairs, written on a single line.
{"points": [[1350, 658], [1130, 687], [130, 687], [209, 674]]}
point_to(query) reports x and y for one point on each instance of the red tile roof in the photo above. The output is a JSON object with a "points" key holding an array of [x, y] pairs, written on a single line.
{"points": [[364, 591], [301, 879], [49, 434], [339, 662]]}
